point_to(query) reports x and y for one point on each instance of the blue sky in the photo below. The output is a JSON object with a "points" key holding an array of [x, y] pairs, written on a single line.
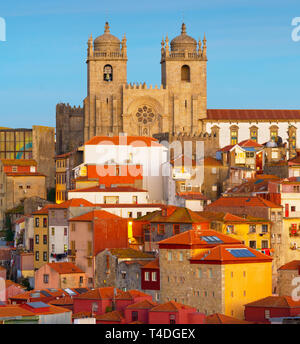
{"points": [[252, 60]]}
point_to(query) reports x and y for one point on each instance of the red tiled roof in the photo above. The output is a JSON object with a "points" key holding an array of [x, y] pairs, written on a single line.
{"points": [[193, 237], [135, 141], [275, 302], [152, 265], [65, 268], [111, 316], [170, 306], [218, 318], [293, 265], [74, 202], [249, 114], [22, 174], [226, 148], [249, 143], [95, 215], [129, 295], [62, 301], [9, 283], [242, 202], [145, 304], [43, 211], [109, 189], [192, 195], [80, 315], [129, 253], [24, 310], [19, 162], [130, 205], [221, 255], [98, 294]]}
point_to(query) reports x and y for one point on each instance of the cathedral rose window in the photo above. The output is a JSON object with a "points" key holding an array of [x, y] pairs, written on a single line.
{"points": [[145, 114]]}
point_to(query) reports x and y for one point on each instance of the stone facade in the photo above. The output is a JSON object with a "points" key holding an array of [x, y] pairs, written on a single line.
{"points": [[285, 278]]}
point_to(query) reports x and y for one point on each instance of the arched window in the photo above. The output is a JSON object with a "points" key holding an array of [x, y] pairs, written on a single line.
{"points": [[107, 73], [185, 73]]}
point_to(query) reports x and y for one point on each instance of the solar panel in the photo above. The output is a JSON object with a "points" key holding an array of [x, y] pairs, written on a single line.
{"points": [[69, 291], [35, 295], [81, 290], [37, 305], [45, 293], [212, 239], [241, 253]]}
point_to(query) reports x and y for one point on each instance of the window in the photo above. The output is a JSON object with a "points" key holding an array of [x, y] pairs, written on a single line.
{"points": [[45, 239], [185, 73], [169, 256], [210, 272], [107, 73], [214, 170], [154, 276], [53, 248], [273, 133], [134, 199], [95, 306], [44, 222], [73, 227], [267, 313], [147, 276], [264, 244], [181, 256], [293, 208], [139, 214], [130, 214], [252, 244], [80, 279], [134, 316], [252, 228], [214, 188], [37, 256], [172, 319], [53, 231], [123, 274], [28, 186], [176, 229], [234, 135], [253, 133], [20, 187], [161, 229], [199, 272], [45, 256], [65, 213], [182, 187], [37, 222], [157, 296], [65, 231], [14, 169], [264, 228], [231, 274], [46, 278], [37, 239]]}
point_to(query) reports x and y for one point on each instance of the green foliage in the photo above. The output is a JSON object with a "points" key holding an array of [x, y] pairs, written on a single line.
{"points": [[108, 309], [25, 283]]}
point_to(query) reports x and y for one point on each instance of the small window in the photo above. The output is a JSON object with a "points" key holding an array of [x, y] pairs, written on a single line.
{"points": [[134, 316], [46, 278], [53, 231], [80, 279], [161, 229], [147, 276], [65, 231], [169, 256], [293, 208], [176, 229], [37, 239], [154, 276], [214, 170], [14, 169], [180, 256], [130, 214], [210, 272], [199, 273], [264, 228], [37, 222], [45, 222], [252, 244], [267, 313], [172, 319], [185, 73], [108, 73], [45, 239], [264, 244], [37, 256], [45, 256]]}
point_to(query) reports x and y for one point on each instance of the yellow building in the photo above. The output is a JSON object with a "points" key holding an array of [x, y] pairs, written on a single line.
{"points": [[41, 237], [213, 272], [291, 239], [61, 178], [251, 231]]}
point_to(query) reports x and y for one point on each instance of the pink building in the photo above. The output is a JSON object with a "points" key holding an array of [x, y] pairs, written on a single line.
{"points": [[13, 289], [2, 272]]}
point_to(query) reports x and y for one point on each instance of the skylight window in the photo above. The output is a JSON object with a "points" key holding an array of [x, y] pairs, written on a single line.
{"points": [[241, 252]]}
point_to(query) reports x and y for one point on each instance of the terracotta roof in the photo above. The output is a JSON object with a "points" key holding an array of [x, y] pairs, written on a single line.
{"points": [[129, 253], [80, 315], [230, 218], [24, 310], [2, 268], [43, 211], [170, 306], [221, 254], [98, 294], [293, 265], [145, 304], [109, 189], [226, 148], [129, 295], [62, 301], [195, 238], [176, 215], [135, 141], [22, 174], [111, 316], [94, 215], [65, 268], [74, 202], [9, 283], [152, 265], [192, 195], [252, 201], [130, 205], [249, 114], [209, 161], [249, 143], [19, 162], [218, 318], [275, 302]]}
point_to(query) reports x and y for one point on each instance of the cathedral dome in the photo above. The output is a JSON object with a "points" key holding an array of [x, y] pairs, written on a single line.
{"points": [[183, 41], [107, 41]]}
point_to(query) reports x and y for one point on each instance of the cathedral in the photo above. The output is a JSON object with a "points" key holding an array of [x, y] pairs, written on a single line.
{"points": [[177, 108]]}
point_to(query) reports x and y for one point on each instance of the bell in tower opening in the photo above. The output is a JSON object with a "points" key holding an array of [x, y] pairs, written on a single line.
{"points": [[108, 73]]}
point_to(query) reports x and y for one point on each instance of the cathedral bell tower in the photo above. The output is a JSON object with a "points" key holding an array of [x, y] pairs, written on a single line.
{"points": [[183, 71], [106, 75]]}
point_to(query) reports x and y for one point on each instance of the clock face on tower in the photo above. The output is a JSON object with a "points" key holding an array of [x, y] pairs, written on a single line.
{"points": [[107, 73]]}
